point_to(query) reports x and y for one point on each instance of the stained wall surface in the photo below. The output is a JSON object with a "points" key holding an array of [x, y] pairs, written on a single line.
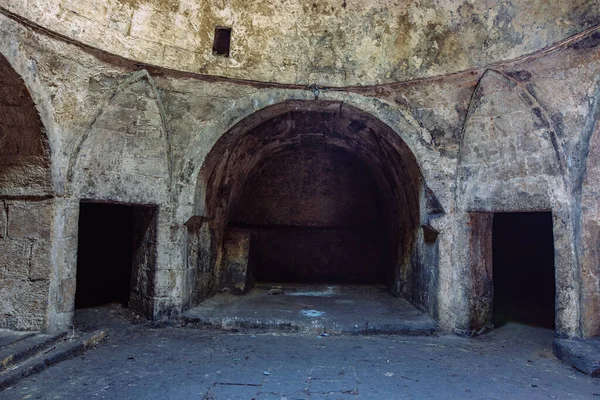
{"points": [[448, 150], [327, 42]]}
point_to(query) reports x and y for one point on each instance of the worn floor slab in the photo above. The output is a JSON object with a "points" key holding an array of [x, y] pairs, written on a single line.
{"points": [[581, 354], [8, 337], [25, 346], [141, 362], [33, 356], [314, 308]]}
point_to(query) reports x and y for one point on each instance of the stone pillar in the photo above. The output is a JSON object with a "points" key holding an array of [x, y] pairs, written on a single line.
{"points": [[167, 297], [480, 276], [235, 276], [454, 295], [63, 264], [567, 274]]}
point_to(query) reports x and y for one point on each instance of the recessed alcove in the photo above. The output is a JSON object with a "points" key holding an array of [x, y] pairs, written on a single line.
{"points": [[311, 193]]}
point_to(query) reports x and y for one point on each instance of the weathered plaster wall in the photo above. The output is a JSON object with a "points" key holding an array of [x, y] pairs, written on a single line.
{"points": [[514, 138], [327, 42], [526, 132]]}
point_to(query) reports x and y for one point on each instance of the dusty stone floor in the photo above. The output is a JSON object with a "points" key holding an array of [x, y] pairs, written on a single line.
{"points": [[139, 361], [7, 337], [314, 309]]}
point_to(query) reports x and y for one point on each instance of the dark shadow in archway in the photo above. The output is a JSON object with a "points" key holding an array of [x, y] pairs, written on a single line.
{"points": [[317, 217]]}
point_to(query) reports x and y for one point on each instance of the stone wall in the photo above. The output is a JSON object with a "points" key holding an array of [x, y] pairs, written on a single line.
{"points": [[125, 152], [27, 210], [513, 136], [25, 262]]}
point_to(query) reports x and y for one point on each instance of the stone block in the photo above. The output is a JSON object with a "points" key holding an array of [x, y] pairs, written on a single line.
{"points": [[93, 10], [119, 17], [66, 295], [168, 283], [24, 304], [66, 257], [175, 247], [166, 307], [14, 258], [184, 57], [3, 220], [67, 215], [40, 263], [235, 260], [31, 219], [147, 49], [59, 322], [581, 354], [16, 6]]}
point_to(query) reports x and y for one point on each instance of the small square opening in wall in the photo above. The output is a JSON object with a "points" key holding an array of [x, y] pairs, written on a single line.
{"points": [[222, 41]]}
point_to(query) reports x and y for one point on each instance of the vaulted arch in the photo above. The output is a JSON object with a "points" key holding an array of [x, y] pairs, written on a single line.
{"points": [[318, 175]]}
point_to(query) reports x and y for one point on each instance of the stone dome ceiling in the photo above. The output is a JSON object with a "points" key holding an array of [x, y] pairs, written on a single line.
{"points": [[323, 42]]}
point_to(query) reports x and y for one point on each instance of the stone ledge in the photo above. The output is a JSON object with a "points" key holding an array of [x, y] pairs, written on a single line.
{"points": [[49, 355], [581, 354]]}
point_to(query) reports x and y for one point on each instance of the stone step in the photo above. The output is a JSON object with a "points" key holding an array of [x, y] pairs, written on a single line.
{"points": [[233, 323], [581, 354], [26, 347], [59, 351], [337, 310], [8, 338]]}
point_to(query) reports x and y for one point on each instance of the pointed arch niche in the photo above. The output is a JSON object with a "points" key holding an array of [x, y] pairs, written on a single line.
{"points": [[311, 192]]}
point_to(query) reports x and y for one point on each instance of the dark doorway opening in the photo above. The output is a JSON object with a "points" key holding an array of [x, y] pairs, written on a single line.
{"points": [[116, 255], [523, 268], [105, 254]]}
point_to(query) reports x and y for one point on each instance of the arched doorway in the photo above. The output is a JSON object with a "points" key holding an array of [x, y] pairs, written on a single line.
{"points": [[26, 207], [310, 192]]}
